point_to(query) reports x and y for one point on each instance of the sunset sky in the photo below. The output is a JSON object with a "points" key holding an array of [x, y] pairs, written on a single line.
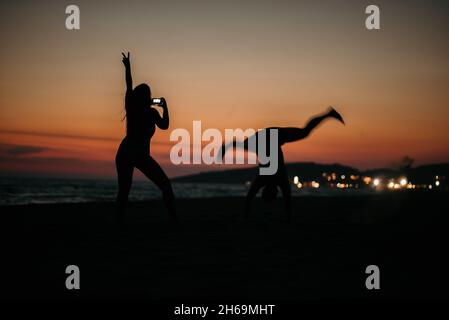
{"points": [[230, 64]]}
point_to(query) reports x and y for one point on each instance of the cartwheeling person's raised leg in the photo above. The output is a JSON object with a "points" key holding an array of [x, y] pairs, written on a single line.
{"points": [[292, 134], [315, 121]]}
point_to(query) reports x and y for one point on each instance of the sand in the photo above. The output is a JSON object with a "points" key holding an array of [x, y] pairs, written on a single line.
{"points": [[214, 253]]}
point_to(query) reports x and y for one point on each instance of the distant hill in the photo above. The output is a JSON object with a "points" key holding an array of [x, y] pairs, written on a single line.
{"points": [[307, 171], [426, 173], [420, 174], [304, 170]]}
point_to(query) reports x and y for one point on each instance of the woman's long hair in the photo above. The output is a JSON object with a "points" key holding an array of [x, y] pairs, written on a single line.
{"points": [[140, 98]]}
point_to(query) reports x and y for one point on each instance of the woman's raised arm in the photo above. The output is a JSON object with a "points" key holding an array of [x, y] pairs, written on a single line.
{"points": [[129, 79]]}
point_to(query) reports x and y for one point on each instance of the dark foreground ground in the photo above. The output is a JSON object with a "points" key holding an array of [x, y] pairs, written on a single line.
{"points": [[214, 254]]}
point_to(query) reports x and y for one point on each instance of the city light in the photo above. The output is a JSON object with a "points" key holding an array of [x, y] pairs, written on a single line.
{"points": [[345, 181]]}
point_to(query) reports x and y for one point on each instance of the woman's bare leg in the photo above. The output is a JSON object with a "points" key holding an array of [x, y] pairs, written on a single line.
{"points": [[153, 171], [125, 177]]}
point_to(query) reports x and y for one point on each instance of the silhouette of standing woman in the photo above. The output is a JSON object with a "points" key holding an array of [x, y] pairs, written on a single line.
{"points": [[134, 150]]}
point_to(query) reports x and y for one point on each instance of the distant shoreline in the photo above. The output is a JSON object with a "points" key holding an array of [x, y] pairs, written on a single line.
{"points": [[403, 194], [442, 167]]}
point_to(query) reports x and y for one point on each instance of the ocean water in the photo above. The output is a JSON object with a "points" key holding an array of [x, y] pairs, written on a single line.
{"points": [[19, 191]]}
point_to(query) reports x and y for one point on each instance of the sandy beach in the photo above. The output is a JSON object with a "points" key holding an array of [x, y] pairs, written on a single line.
{"points": [[214, 253]]}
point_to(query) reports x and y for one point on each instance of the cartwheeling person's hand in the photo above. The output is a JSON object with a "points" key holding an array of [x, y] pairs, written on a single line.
{"points": [[125, 60]]}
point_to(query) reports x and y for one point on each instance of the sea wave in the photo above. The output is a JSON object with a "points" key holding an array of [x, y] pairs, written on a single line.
{"points": [[20, 191]]}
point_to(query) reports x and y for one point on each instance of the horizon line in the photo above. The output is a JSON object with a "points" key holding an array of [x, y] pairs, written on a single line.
{"points": [[82, 177]]}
